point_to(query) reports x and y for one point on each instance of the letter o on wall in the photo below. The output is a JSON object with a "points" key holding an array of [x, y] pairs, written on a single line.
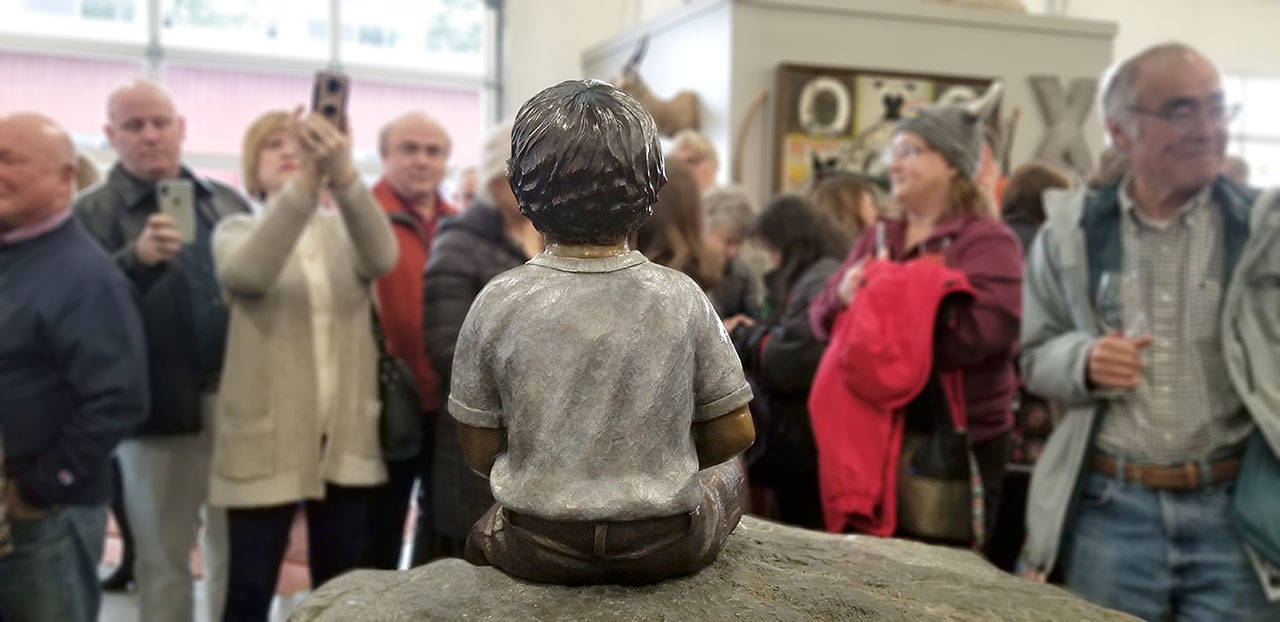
{"points": [[816, 115]]}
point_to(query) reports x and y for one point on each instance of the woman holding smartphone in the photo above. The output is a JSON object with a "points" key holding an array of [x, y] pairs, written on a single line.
{"points": [[297, 415]]}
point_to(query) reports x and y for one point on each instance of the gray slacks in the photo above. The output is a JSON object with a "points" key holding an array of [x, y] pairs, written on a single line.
{"points": [[166, 483]]}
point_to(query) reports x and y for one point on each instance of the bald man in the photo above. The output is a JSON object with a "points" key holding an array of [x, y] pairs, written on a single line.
{"points": [[415, 153], [166, 465], [73, 378]]}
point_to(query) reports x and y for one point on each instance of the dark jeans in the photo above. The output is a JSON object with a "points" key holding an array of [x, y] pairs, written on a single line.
{"points": [[455, 495], [52, 572], [388, 508], [259, 536], [389, 504]]}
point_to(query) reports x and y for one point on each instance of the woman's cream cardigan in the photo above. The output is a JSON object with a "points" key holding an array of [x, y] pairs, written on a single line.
{"points": [[271, 447]]}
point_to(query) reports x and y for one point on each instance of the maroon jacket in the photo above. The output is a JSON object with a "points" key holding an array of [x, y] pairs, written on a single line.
{"points": [[878, 361], [982, 335]]}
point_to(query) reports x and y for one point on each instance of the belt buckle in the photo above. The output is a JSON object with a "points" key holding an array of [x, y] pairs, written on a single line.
{"points": [[1196, 476]]}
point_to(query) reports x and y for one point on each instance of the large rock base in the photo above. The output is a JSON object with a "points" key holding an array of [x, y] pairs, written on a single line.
{"points": [[767, 572]]}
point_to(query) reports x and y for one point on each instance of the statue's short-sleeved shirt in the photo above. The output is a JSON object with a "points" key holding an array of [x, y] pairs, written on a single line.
{"points": [[597, 368]]}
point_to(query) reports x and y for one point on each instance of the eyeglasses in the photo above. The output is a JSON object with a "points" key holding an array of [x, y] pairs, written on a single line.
{"points": [[903, 152], [1185, 116]]}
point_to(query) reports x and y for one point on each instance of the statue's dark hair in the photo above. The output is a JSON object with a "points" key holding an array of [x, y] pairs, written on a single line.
{"points": [[586, 165]]}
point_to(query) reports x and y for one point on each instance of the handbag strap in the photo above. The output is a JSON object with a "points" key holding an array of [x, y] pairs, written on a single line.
{"points": [[379, 335], [953, 388]]}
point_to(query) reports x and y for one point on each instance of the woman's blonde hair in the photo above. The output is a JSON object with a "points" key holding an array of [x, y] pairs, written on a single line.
{"points": [[86, 172], [698, 143], [259, 131]]}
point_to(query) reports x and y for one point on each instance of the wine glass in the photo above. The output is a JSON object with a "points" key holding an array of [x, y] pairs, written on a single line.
{"points": [[1108, 303], [1109, 307]]}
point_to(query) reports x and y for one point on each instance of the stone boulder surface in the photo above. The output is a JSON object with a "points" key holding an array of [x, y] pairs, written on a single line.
{"points": [[766, 572]]}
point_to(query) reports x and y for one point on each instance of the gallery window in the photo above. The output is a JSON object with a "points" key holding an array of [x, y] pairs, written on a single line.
{"points": [[226, 61], [1255, 134]]}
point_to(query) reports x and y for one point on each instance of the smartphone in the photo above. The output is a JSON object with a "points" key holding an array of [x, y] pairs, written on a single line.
{"points": [[329, 95], [177, 199]]}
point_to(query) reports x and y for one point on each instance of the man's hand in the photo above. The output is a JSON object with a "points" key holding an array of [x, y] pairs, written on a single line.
{"points": [[1115, 362], [738, 320], [844, 291], [18, 507], [159, 240]]}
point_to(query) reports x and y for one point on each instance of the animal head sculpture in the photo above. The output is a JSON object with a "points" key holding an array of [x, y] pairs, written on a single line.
{"points": [[680, 112]]}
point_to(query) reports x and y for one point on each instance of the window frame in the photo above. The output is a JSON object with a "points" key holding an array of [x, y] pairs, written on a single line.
{"points": [[156, 53], [1239, 138]]}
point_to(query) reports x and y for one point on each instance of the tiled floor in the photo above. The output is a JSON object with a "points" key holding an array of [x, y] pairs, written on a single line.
{"points": [[292, 588], [123, 607]]}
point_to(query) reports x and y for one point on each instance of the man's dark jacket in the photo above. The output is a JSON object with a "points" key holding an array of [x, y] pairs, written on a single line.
{"points": [[73, 366], [184, 361]]}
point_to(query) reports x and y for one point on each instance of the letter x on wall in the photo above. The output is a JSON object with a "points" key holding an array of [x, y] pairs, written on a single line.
{"points": [[1064, 117]]}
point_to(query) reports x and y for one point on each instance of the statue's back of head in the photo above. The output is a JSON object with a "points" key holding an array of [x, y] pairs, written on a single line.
{"points": [[586, 164]]}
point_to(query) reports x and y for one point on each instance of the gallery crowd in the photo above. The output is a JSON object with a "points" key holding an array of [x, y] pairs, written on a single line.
{"points": [[1071, 376]]}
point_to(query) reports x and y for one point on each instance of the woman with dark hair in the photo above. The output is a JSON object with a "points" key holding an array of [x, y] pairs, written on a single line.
{"points": [[1022, 204], [780, 354], [672, 237]]}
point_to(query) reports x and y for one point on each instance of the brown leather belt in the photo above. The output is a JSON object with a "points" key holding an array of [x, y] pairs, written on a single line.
{"points": [[1188, 476]]}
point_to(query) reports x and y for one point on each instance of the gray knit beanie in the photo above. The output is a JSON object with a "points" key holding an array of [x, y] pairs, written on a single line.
{"points": [[955, 131]]}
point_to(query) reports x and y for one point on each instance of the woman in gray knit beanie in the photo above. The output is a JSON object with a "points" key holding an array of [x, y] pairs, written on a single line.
{"points": [[933, 161]]}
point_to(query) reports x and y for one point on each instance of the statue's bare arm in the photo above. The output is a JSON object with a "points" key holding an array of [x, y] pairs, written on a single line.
{"points": [[724, 437], [481, 447]]}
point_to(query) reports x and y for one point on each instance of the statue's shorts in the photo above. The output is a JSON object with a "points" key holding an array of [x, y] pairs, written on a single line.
{"points": [[621, 552]]}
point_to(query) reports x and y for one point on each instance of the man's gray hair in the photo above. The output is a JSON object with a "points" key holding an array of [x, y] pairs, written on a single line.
{"points": [[729, 206], [1118, 93]]}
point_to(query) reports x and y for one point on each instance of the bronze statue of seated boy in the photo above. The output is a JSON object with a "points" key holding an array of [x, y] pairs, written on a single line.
{"points": [[598, 391]]}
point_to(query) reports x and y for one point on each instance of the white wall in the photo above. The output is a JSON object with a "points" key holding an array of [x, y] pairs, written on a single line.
{"points": [[1240, 35], [688, 51], [545, 38]]}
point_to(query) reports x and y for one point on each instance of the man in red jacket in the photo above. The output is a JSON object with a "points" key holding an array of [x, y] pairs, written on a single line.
{"points": [[415, 151]]}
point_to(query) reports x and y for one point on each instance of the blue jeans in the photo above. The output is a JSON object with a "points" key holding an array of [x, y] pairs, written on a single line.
{"points": [[1161, 555], [52, 573]]}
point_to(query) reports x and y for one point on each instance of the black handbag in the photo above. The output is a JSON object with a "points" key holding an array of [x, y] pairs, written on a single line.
{"points": [[401, 421], [940, 496]]}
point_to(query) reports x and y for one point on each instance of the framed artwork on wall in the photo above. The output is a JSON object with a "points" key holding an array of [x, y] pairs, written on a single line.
{"points": [[832, 119]]}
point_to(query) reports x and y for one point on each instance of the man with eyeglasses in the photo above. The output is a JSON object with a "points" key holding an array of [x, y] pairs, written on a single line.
{"points": [[415, 151], [1131, 493]]}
